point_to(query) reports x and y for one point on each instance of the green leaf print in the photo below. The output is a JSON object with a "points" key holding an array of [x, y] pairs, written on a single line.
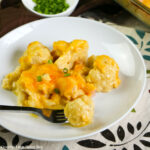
{"points": [[147, 49], [146, 57], [132, 39], [148, 71], [142, 43], [133, 110], [141, 34], [148, 43], [65, 148]]}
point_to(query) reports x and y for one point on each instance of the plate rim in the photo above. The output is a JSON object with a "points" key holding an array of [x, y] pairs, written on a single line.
{"points": [[113, 123]]}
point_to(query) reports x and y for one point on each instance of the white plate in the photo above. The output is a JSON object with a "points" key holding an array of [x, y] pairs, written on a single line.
{"points": [[109, 107]]}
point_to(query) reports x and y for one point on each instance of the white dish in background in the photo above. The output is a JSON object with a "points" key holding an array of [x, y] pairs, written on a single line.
{"points": [[29, 4], [109, 107]]}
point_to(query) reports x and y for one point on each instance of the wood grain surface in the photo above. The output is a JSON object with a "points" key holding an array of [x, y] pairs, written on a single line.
{"points": [[13, 13], [85, 5]]}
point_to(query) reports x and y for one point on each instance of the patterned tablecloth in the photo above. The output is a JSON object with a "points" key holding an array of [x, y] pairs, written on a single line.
{"points": [[132, 133]]}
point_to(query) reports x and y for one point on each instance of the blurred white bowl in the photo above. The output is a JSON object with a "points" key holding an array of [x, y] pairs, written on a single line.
{"points": [[29, 4]]}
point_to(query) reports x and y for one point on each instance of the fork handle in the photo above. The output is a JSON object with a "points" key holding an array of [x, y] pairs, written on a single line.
{"points": [[19, 108]]}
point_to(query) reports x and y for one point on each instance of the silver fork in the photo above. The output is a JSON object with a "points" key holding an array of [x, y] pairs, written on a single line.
{"points": [[56, 116]]}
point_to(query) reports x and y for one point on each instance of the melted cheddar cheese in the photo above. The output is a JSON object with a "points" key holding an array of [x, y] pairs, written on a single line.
{"points": [[66, 54], [104, 73], [62, 79]]}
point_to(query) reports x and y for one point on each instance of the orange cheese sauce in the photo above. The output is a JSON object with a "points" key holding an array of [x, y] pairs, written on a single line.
{"points": [[48, 72], [42, 92]]}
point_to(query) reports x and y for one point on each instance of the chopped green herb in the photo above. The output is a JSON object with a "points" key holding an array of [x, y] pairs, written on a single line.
{"points": [[50, 6], [133, 110], [67, 74], [65, 70], [39, 78], [148, 71], [50, 61], [56, 91]]}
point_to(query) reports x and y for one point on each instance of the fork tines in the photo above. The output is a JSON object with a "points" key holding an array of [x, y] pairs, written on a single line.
{"points": [[58, 116]]}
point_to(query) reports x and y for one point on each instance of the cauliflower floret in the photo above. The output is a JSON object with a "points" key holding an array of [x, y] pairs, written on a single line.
{"points": [[9, 81], [104, 74], [80, 68], [68, 87], [53, 102], [90, 61], [33, 101], [69, 53], [59, 48], [40, 92], [80, 111], [74, 86], [36, 53]]}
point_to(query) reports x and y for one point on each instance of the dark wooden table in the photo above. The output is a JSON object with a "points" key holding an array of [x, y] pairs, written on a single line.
{"points": [[13, 14]]}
